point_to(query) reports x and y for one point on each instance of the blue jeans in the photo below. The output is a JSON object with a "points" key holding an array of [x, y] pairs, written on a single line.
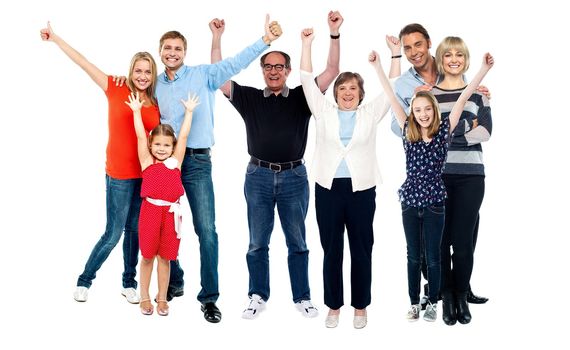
{"points": [[197, 181], [289, 190], [426, 222], [123, 207]]}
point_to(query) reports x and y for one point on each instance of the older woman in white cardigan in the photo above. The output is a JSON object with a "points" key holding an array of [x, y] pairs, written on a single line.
{"points": [[346, 172]]}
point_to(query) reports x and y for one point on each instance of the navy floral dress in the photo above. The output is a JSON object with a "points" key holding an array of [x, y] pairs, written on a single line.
{"points": [[424, 166]]}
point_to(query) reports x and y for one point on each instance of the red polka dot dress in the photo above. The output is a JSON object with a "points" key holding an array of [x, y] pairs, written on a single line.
{"points": [[157, 235]]}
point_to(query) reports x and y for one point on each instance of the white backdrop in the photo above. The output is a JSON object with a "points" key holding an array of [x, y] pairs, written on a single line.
{"points": [[53, 190]]}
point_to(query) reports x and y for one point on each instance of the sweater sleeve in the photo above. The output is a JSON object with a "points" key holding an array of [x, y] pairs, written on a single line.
{"points": [[313, 95], [482, 132]]}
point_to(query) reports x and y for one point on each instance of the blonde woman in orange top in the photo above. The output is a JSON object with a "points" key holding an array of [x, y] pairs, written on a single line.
{"points": [[123, 170]]}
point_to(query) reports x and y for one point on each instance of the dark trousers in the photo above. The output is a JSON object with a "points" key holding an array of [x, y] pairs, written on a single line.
{"points": [[464, 197], [423, 227], [336, 209]]}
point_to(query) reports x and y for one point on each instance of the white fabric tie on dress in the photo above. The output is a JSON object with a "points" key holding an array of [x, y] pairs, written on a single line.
{"points": [[180, 208]]}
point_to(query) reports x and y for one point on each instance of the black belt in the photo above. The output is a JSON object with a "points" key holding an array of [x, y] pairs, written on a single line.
{"points": [[191, 151], [276, 166]]}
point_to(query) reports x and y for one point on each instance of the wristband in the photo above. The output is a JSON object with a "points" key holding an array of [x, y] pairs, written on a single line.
{"points": [[335, 36], [397, 56]]}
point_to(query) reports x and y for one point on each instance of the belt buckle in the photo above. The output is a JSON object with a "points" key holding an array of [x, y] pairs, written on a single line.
{"points": [[277, 167]]}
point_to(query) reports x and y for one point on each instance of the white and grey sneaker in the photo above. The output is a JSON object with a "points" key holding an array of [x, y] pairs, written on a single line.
{"points": [[431, 312], [307, 308], [256, 305], [80, 294], [414, 313], [131, 295]]}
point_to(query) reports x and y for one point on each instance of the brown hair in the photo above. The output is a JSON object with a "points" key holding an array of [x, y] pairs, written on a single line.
{"points": [[149, 91], [413, 133], [346, 76], [414, 28], [173, 34], [162, 130]]}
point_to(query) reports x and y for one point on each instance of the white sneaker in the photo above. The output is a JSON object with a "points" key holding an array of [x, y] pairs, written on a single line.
{"points": [[307, 308], [431, 312], [256, 305], [131, 295], [414, 313], [80, 294]]}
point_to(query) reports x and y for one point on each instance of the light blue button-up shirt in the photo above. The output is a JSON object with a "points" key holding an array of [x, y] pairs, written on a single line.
{"points": [[202, 80], [347, 121]]}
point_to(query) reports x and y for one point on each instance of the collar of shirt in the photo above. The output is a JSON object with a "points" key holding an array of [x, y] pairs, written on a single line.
{"points": [[417, 75], [284, 92], [180, 72]]}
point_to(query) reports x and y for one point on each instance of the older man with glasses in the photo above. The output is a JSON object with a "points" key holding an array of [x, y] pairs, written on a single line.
{"points": [[277, 120]]}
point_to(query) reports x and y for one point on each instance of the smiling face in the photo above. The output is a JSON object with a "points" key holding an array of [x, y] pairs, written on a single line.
{"points": [[348, 95], [275, 71], [424, 112], [142, 75], [161, 147], [452, 57], [348, 91], [453, 62], [416, 49], [172, 53]]}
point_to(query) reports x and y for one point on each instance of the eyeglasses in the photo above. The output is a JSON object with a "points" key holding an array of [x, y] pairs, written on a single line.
{"points": [[268, 67]]}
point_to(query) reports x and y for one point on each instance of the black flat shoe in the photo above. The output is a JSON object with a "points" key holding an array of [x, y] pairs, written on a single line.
{"points": [[172, 293], [474, 299], [211, 312]]}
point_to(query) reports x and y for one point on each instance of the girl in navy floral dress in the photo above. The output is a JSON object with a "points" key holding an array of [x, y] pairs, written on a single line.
{"points": [[426, 139]]}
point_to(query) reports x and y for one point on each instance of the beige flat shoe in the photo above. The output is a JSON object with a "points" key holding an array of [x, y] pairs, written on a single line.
{"points": [[331, 321], [360, 321]]}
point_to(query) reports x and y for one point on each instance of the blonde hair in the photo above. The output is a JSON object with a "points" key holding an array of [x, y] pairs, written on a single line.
{"points": [[413, 133], [448, 44], [144, 56]]}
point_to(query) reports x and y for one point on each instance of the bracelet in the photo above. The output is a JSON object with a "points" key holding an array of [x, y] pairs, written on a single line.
{"points": [[397, 56], [335, 36]]}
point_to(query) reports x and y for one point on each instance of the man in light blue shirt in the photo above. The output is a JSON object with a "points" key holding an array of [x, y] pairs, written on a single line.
{"points": [[177, 81]]}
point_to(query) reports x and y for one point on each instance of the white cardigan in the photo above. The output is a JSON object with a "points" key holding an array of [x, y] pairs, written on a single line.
{"points": [[359, 154]]}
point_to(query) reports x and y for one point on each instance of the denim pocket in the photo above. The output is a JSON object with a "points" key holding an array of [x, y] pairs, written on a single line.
{"points": [[300, 171], [251, 168], [437, 208], [202, 158]]}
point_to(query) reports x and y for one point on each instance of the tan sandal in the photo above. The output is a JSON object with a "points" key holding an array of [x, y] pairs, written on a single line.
{"points": [[146, 307], [162, 307]]}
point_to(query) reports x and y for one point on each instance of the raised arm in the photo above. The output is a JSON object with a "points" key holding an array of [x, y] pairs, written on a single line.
{"points": [[145, 157], [217, 27], [100, 78], [332, 69], [221, 72], [180, 149], [395, 48], [488, 62], [399, 113], [307, 38]]}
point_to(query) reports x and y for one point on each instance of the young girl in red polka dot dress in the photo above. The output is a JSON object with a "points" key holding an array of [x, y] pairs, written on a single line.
{"points": [[161, 158]]}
